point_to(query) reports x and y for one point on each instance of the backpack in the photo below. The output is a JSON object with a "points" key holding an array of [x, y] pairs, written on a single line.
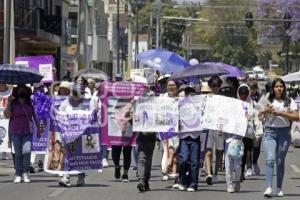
{"points": [[235, 149]]}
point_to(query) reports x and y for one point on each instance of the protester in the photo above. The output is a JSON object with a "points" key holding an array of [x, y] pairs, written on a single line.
{"points": [[255, 96], [254, 93], [293, 90], [21, 121], [92, 85], [123, 118], [170, 146], [81, 80], [254, 129], [189, 150], [214, 138], [64, 89], [75, 102], [278, 116], [145, 148]]}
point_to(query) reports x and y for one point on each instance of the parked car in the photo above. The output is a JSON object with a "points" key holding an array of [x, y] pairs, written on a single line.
{"points": [[260, 75], [250, 75]]}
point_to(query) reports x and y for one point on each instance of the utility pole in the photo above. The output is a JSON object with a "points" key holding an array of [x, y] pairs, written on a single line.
{"points": [[157, 23], [82, 31], [136, 33], [7, 29], [150, 31], [130, 64], [118, 37]]}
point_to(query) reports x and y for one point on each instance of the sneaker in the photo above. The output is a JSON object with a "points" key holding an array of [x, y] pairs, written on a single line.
{"points": [[80, 180], [26, 177], [175, 186], [41, 166], [256, 169], [31, 170], [248, 173], [230, 189], [242, 177], [237, 187], [4, 156], [181, 187], [104, 163], [117, 172], [191, 190], [279, 193], [209, 180], [147, 187], [165, 178], [64, 181], [141, 187], [215, 179], [125, 178], [268, 193], [18, 179]]}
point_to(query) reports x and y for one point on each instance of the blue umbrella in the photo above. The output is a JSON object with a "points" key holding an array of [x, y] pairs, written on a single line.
{"points": [[163, 60], [199, 71], [18, 74]]}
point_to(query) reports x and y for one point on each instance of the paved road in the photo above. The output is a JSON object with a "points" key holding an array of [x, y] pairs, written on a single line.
{"points": [[103, 186]]}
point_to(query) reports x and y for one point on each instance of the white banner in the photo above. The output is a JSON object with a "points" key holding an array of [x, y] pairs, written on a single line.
{"points": [[295, 132], [4, 146], [191, 110], [156, 114], [226, 114]]}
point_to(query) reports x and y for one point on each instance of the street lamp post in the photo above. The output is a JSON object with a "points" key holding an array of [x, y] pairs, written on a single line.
{"points": [[286, 44]]}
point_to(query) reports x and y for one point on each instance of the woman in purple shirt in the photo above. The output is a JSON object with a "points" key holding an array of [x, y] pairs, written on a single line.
{"points": [[21, 114]]}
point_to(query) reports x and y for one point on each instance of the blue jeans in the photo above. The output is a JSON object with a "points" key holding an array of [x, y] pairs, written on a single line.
{"points": [[189, 161], [22, 146], [104, 152], [276, 143]]}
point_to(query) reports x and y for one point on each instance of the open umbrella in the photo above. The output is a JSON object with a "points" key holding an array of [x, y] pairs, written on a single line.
{"points": [[199, 71], [18, 74], [163, 60], [233, 70], [92, 73], [292, 77]]}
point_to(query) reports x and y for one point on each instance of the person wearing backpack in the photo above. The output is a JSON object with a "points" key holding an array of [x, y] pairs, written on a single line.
{"points": [[278, 115]]}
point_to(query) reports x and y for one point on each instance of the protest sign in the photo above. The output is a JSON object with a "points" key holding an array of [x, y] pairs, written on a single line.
{"points": [[295, 132], [191, 110], [74, 143], [4, 145], [115, 97], [156, 114], [43, 64], [226, 114]]}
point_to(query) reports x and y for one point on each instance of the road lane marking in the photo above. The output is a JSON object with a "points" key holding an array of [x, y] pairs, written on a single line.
{"points": [[295, 168], [57, 192]]}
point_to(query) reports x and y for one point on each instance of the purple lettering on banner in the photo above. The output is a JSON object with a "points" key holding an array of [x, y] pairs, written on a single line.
{"points": [[120, 91], [171, 133], [145, 117]]}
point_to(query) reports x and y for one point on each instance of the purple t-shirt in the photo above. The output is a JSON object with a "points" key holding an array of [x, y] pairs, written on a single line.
{"points": [[19, 122]]}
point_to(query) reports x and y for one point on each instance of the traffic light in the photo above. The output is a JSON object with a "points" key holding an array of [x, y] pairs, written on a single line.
{"points": [[287, 25], [249, 17]]}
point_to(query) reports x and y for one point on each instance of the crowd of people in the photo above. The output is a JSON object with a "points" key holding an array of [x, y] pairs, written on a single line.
{"points": [[268, 127]]}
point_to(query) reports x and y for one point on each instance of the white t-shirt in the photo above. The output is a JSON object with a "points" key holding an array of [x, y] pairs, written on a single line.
{"points": [[279, 121]]}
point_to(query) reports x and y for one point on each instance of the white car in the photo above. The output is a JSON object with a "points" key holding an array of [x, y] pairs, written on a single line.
{"points": [[251, 75], [260, 75]]}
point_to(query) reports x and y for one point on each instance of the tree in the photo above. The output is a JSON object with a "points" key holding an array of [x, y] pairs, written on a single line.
{"points": [[230, 41]]}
